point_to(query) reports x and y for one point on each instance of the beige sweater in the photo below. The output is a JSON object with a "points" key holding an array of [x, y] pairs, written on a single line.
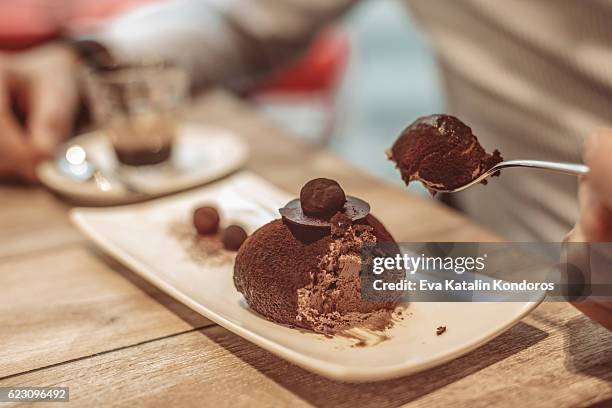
{"points": [[532, 77]]}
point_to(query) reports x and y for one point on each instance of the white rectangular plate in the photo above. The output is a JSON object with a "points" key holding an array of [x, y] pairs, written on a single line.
{"points": [[144, 237]]}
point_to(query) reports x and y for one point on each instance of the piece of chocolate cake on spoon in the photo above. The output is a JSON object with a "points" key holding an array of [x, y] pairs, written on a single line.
{"points": [[443, 153]]}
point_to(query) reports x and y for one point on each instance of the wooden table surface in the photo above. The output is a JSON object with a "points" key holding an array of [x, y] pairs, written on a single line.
{"points": [[71, 316]]}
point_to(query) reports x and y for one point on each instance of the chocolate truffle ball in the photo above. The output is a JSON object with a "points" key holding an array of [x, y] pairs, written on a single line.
{"points": [[233, 237], [322, 197], [441, 152], [206, 220]]}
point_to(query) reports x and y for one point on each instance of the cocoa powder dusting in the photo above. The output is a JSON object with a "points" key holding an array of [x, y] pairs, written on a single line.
{"points": [[203, 249]]}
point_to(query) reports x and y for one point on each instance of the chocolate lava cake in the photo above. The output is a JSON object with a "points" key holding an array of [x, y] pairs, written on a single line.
{"points": [[442, 153], [304, 270]]}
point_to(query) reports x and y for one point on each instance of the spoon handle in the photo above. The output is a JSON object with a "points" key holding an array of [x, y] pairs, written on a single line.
{"points": [[117, 177], [567, 168]]}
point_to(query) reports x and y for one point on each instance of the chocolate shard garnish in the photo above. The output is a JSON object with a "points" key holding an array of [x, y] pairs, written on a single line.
{"points": [[319, 200], [354, 208]]}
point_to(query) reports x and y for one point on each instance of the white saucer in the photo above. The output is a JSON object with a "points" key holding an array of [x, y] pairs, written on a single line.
{"points": [[156, 239], [200, 155]]}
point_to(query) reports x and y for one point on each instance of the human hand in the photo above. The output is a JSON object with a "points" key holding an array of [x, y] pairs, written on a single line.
{"points": [[595, 191], [595, 220], [42, 84]]}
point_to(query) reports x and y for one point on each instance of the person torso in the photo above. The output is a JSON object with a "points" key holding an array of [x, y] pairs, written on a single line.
{"points": [[532, 78]]}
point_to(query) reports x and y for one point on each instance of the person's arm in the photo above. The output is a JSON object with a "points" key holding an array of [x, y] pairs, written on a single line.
{"points": [[228, 42]]}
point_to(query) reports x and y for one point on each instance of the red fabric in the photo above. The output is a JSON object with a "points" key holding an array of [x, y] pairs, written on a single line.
{"points": [[24, 23], [319, 70]]}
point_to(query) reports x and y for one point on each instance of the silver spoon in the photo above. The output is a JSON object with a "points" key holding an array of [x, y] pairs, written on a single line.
{"points": [[573, 169], [78, 165]]}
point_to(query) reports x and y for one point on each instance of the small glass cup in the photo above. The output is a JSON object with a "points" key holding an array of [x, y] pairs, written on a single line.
{"points": [[138, 106]]}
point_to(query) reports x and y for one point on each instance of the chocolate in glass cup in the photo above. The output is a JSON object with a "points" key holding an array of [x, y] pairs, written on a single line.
{"points": [[137, 107]]}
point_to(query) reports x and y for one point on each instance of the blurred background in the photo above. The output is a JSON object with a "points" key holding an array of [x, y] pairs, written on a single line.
{"points": [[390, 78], [526, 76]]}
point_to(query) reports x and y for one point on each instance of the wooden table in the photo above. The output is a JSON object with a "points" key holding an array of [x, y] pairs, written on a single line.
{"points": [[70, 316]]}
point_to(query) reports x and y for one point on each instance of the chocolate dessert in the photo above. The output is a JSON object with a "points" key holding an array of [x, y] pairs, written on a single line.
{"points": [[442, 153], [305, 274]]}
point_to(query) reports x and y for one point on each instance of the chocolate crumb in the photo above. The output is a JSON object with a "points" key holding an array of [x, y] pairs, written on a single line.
{"points": [[361, 343], [340, 224], [440, 330]]}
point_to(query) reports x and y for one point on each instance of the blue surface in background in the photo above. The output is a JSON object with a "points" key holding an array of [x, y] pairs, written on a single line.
{"points": [[391, 80]]}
